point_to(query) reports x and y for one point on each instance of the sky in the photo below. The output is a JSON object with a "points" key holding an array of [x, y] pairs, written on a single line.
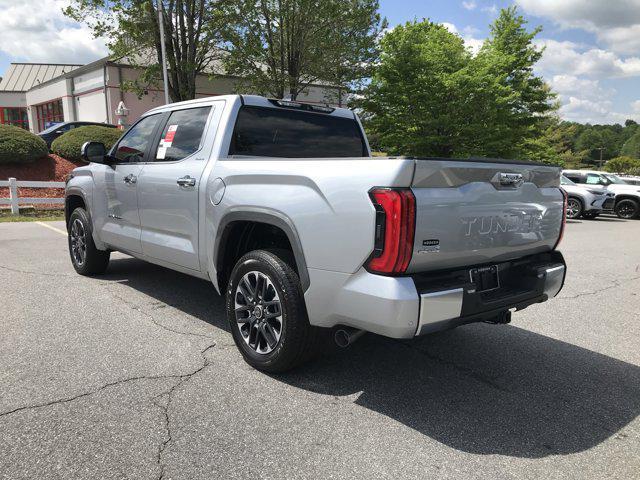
{"points": [[591, 58]]}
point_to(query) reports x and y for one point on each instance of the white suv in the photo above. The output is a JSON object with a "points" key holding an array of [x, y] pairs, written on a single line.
{"points": [[627, 196]]}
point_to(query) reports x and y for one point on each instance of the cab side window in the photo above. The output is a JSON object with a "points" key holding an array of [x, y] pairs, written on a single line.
{"points": [[182, 134], [133, 146], [594, 179], [573, 178]]}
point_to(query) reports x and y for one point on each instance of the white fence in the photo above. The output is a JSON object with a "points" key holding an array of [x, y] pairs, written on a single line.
{"points": [[14, 200]]}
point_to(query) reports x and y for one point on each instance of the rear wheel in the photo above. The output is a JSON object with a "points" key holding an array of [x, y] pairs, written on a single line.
{"points": [[266, 313], [574, 208], [627, 208], [85, 257]]}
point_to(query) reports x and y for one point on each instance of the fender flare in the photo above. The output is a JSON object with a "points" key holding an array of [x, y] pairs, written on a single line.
{"points": [[75, 192], [79, 192], [269, 217]]}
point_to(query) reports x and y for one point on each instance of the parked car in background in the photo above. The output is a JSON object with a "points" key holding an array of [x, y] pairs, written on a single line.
{"points": [[54, 131], [630, 179], [586, 201], [627, 201]]}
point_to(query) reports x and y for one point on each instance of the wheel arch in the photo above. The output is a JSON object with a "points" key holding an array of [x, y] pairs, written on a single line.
{"points": [[74, 198], [577, 197], [624, 196], [228, 230]]}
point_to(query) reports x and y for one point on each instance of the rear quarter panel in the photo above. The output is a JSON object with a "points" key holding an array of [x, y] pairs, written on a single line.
{"points": [[325, 200]]}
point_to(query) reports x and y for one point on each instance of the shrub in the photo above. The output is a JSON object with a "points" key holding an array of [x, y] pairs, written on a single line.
{"points": [[69, 144], [20, 146], [622, 165]]}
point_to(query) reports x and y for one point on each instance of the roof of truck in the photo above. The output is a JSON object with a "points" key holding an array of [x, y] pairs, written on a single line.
{"points": [[255, 100]]}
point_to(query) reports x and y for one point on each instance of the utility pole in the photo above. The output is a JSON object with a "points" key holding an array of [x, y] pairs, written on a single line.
{"points": [[163, 53], [601, 149]]}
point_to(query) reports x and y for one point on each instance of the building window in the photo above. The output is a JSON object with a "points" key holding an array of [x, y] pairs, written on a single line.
{"points": [[48, 114], [14, 116]]}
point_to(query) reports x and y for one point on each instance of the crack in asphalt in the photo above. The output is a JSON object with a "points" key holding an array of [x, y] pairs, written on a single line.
{"points": [[92, 392], [615, 284], [469, 372], [139, 309], [45, 274], [164, 408]]}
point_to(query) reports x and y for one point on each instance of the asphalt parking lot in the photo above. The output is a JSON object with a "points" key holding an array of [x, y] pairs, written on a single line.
{"points": [[135, 375]]}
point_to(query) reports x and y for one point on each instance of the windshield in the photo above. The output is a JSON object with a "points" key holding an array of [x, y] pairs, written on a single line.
{"points": [[615, 179], [565, 181], [52, 128]]}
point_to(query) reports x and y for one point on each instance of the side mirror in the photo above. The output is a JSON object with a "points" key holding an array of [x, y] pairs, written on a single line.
{"points": [[94, 152]]}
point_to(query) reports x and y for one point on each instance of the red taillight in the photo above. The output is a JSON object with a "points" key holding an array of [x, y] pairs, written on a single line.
{"points": [[565, 198], [395, 226]]}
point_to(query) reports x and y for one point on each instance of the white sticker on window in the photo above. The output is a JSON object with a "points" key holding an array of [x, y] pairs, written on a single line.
{"points": [[162, 152]]}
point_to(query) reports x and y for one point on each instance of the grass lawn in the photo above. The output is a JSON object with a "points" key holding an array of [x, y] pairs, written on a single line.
{"points": [[32, 216]]}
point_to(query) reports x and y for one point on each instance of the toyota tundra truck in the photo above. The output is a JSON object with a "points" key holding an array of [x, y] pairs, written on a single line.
{"points": [[281, 206]]}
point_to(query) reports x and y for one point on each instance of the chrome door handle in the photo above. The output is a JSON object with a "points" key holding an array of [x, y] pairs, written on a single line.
{"points": [[131, 178], [186, 181]]}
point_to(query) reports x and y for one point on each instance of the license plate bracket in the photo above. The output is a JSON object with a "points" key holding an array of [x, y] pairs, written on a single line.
{"points": [[485, 278]]}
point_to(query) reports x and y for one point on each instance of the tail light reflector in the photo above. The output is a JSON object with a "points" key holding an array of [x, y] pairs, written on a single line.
{"points": [[395, 228]]}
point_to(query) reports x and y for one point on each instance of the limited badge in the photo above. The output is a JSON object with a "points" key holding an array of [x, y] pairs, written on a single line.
{"points": [[431, 245]]}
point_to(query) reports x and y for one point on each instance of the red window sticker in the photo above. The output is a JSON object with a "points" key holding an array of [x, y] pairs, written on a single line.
{"points": [[171, 132]]}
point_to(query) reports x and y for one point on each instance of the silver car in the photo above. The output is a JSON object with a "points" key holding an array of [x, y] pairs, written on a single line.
{"points": [[586, 201]]}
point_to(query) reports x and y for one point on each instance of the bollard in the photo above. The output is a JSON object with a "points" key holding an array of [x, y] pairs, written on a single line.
{"points": [[13, 195]]}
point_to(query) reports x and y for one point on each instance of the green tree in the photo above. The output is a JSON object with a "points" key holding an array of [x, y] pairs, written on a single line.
{"points": [[631, 148], [131, 28], [281, 47], [591, 141], [412, 105], [532, 100], [430, 96], [622, 165]]}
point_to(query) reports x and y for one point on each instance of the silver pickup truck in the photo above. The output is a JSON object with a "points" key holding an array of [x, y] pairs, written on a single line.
{"points": [[281, 206]]}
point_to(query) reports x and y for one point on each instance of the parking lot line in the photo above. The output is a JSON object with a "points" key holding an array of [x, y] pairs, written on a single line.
{"points": [[50, 227]]}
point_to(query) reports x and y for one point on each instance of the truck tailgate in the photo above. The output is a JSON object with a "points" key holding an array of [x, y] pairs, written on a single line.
{"points": [[472, 212]]}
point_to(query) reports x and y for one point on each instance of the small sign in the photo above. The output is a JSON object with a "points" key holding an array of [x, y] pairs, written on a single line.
{"points": [[171, 133], [162, 153]]}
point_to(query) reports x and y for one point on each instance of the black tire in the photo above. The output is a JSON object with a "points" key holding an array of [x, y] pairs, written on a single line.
{"points": [[574, 208], [627, 208], [590, 215], [297, 338], [85, 257]]}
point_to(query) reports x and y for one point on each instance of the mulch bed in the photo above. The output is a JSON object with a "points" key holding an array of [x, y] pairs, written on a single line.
{"points": [[49, 169]]}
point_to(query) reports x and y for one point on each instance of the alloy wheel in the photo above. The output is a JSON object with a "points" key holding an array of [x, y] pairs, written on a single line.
{"points": [[258, 312], [78, 242], [626, 210], [573, 208]]}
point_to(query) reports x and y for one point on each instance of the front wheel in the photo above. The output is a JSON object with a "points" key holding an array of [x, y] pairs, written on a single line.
{"points": [[266, 313], [627, 209], [85, 257], [574, 208]]}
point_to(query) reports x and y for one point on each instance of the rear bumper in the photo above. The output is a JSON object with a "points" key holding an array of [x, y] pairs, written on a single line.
{"points": [[526, 281], [403, 307]]}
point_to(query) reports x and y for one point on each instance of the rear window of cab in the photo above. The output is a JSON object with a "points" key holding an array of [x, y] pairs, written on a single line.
{"points": [[280, 132]]}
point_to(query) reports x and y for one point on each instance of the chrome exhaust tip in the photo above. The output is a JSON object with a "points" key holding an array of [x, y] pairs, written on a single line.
{"points": [[346, 336]]}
